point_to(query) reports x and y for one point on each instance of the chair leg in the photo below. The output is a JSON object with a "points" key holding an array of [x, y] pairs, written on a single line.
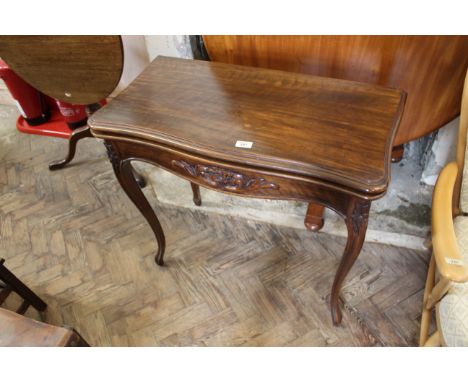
{"points": [[426, 313], [80, 133], [19, 287], [433, 340], [439, 290]]}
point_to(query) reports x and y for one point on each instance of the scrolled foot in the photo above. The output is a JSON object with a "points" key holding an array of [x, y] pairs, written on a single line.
{"points": [[80, 133], [58, 164], [159, 260]]}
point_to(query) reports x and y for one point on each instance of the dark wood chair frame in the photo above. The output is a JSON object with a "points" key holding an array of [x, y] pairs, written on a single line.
{"points": [[14, 284]]}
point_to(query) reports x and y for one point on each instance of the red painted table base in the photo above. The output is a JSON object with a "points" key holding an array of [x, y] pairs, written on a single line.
{"points": [[55, 127]]}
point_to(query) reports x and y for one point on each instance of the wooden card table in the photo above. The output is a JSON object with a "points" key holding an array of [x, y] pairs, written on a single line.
{"points": [[258, 133]]}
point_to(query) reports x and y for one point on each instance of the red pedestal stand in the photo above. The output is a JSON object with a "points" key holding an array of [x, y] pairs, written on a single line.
{"points": [[57, 127], [54, 127]]}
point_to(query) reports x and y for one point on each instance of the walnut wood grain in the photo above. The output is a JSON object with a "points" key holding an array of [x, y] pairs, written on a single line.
{"points": [[332, 130], [76, 69], [356, 219], [228, 281], [126, 177], [224, 179], [289, 186], [352, 207], [429, 68], [308, 136]]}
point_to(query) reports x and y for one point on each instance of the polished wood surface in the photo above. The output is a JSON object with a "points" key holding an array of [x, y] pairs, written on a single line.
{"points": [[76, 135], [329, 130], [308, 136], [461, 147], [429, 68], [314, 217], [75, 69], [75, 238]]}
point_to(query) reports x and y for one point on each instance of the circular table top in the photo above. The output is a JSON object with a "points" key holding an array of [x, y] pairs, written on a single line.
{"points": [[75, 69]]}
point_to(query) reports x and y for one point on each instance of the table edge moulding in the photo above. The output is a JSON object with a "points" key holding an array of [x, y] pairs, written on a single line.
{"points": [[185, 116]]}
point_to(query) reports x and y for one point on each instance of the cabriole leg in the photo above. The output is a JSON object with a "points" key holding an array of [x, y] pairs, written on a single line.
{"points": [[356, 221], [125, 175], [77, 134]]}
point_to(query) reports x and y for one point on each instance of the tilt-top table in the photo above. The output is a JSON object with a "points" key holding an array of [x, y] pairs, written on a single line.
{"points": [[257, 133]]}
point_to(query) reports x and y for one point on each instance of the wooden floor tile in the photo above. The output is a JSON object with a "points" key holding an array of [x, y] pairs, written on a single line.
{"points": [[77, 240]]}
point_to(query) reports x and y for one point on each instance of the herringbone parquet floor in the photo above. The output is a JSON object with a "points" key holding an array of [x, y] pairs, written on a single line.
{"points": [[76, 239]]}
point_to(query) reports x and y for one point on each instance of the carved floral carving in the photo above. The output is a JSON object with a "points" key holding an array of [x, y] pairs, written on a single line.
{"points": [[360, 215], [224, 179], [111, 153]]}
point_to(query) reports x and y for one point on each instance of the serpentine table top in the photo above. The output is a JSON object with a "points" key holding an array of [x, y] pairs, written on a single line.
{"points": [[259, 133]]}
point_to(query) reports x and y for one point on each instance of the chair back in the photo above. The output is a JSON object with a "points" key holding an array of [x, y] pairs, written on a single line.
{"points": [[462, 154]]}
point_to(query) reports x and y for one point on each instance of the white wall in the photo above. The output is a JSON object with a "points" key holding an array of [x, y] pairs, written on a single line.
{"points": [[173, 46]]}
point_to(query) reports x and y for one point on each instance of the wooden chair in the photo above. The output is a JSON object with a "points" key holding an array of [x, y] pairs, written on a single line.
{"points": [[447, 280], [12, 284]]}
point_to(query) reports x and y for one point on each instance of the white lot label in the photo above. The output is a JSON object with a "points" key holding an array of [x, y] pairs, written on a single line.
{"points": [[451, 261], [244, 144]]}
